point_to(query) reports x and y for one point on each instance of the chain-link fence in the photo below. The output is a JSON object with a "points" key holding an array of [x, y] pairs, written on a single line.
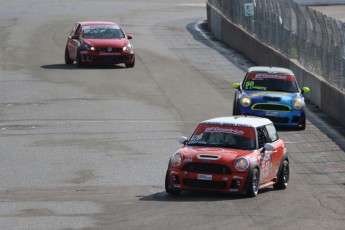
{"points": [[315, 40]]}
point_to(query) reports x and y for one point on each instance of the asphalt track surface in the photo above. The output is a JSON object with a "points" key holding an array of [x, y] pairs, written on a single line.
{"points": [[87, 148]]}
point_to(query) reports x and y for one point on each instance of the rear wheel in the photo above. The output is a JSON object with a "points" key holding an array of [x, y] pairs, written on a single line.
{"points": [[283, 177], [167, 186], [68, 60], [254, 183]]}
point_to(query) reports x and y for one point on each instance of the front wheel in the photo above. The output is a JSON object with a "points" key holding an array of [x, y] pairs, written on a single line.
{"points": [[130, 65], [79, 62], [235, 109], [68, 60], [283, 177], [167, 186], [254, 183], [303, 122]]}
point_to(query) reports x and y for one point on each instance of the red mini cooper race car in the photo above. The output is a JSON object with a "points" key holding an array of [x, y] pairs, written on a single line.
{"points": [[237, 155], [98, 42]]}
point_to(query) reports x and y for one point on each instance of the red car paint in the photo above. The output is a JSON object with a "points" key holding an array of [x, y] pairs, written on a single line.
{"points": [[98, 42], [207, 160]]}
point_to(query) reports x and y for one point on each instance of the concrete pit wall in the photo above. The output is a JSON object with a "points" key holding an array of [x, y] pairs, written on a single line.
{"points": [[326, 97]]}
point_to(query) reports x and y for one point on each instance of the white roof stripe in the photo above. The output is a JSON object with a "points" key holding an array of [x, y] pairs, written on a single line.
{"points": [[247, 121]]}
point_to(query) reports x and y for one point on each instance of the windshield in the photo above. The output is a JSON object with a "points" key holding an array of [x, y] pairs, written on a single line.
{"points": [[224, 136], [270, 82], [102, 32]]}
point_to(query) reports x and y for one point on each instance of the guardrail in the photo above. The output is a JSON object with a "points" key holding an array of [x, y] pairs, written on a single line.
{"points": [[274, 36]]}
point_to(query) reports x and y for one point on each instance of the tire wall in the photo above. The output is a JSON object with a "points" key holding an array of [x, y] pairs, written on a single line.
{"points": [[323, 95]]}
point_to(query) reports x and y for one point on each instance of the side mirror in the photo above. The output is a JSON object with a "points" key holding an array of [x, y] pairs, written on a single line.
{"points": [[305, 90], [236, 85], [129, 36], [267, 147], [73, 36], [183, 140]]}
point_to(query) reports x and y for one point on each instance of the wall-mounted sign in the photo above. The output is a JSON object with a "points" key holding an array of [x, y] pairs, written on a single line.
{"points": [[248, 9]]}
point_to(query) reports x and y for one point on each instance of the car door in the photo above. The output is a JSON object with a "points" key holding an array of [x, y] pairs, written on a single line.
{"points": [[267, 160], [278, 151], [73, 41]]}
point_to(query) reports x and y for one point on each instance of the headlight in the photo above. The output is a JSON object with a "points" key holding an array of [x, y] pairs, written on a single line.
{"points": [[176, 159], [298, 104], [241, 164], [85, 46], [128, 47], [245, 101]]}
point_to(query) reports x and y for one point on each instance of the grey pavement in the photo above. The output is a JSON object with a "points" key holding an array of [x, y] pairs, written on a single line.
{"points": [[88, 148]]}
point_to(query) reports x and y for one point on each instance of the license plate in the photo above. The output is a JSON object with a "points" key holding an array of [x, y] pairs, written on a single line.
{"points": [[109, 54], [204, 177], [272, 114]]}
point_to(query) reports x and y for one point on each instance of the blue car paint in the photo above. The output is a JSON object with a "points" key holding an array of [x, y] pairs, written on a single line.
{"points": [[294, 116]]}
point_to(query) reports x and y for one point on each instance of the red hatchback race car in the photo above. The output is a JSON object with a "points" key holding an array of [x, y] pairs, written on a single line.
{"points": [[238, 155], [98, 42]]}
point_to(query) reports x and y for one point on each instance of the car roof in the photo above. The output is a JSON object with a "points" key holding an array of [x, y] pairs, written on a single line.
{"points": [[92, 23], [245, 121], [267, 69]]}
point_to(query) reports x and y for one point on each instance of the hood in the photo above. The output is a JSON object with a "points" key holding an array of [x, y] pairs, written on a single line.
{"points": [[192, 153], [272, 96], [105, 43]]}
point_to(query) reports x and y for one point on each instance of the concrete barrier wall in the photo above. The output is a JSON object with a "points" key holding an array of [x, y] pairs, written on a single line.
{"points": [[320, 2], [323, 95]]}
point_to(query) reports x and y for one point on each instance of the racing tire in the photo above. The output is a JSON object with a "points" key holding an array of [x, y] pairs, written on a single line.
{"points": [[283, 177], [235, 109], [303, 122], [254, 183], [130, 65], [79, 62], [68, 60], [169, 190]]}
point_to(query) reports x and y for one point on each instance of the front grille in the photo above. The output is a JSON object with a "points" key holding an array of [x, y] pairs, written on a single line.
{"points": [[106, 50], [206, 168], [271, 107], [204, 184]]}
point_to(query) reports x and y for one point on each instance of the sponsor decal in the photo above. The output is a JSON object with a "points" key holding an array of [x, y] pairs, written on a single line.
{"points": [[233, 190], [225, 178], [262, 75], [224, 130]]}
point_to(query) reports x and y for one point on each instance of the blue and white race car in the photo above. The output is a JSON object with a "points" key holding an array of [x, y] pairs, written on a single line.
{"points": [[271, 92]]}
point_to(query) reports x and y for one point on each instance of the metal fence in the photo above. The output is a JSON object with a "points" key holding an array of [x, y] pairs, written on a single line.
{"points": [[315, 40]]}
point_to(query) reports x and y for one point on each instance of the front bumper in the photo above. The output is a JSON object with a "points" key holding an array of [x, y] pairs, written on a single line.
{"points": [[293, 118], [234, 183], [95, 57]]}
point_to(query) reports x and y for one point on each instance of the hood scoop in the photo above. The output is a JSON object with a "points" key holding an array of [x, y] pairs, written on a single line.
{"points": [[208, 157], [268, 98]]}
